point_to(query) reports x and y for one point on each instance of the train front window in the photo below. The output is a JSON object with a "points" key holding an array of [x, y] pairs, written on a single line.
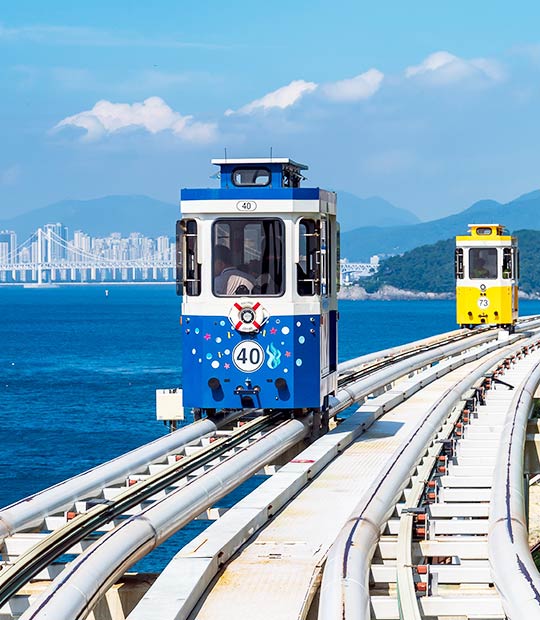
{"points": [[483, 263], [248, 257], [251, 177]]}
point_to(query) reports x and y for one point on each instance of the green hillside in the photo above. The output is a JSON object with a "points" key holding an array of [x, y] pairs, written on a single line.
{"points": [[519, 214], [430, 268]]}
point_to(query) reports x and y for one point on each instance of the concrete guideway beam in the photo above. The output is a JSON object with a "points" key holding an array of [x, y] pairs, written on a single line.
{"points": [[345, 589], [73, 594], [471, 342], [515, 574], [197, 564]]}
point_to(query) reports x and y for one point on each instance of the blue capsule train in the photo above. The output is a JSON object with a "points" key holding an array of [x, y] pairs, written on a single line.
{"points": [[258, 269]]}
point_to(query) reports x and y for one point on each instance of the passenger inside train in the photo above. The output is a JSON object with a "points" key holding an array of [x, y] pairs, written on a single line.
{"points": [[248, 257]]}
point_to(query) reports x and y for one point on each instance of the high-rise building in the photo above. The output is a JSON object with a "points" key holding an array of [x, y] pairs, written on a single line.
{"points": [[81, 245], [8, 247], [163, 245], [56, 242]]}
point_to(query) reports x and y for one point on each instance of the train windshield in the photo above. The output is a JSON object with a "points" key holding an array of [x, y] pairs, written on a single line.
{"points": [[483, 263], [251, 177], [247, 257]]}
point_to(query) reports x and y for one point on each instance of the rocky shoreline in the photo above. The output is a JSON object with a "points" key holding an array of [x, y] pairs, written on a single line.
{"points": [[391, 293]]}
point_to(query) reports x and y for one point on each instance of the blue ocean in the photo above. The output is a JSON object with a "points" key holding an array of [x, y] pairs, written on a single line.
{"points": [[79, 369]]}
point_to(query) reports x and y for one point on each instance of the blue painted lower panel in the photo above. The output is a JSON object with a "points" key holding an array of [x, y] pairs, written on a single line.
{"points": [[282, 360]]}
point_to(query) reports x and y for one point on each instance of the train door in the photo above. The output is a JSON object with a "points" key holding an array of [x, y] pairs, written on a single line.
{"points": [[326, 276]]}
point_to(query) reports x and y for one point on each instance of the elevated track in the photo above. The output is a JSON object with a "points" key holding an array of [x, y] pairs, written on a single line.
{"points": [[356, 497]]}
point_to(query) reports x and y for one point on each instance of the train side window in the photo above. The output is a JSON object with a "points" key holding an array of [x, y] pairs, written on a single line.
{"points": [[188, 270], [290, 177], [458, 264], [308, 268], [251, 177], [247, 257], [507, 264], [483, 263], [179, 261]]}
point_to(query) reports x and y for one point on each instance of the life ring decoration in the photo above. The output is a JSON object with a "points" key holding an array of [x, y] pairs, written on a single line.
{"points": [[248, 316]]}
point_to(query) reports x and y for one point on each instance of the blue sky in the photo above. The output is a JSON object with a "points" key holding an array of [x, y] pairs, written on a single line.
{"points": [[432, 105]]}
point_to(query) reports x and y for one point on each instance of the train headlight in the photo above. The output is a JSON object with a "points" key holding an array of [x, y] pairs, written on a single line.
{"points": [[280, 384], [214, 384]]}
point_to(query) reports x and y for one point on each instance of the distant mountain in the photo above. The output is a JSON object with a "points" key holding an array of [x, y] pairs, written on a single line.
{"points": [[101, 216], [430, 268], [126, 214], [373, 211], [361, 243]]}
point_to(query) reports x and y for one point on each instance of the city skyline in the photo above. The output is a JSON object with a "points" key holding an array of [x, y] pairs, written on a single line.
{"points": [[135, 245], [49, 255]]}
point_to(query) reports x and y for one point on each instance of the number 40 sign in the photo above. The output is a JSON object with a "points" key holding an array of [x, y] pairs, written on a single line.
{"points": [[248, 356]]}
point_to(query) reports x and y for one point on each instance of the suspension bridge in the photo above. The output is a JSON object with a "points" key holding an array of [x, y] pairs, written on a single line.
{"points": [[414, 506], [45, 258]]}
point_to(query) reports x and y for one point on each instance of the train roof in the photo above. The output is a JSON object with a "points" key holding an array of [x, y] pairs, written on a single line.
{"points": [[259, 161], [486, 225]]}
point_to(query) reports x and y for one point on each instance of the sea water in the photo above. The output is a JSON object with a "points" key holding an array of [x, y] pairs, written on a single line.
{"points": [[79, 367]]}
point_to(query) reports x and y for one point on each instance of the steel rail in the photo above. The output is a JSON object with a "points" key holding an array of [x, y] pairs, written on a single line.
{"points": [[391, 371], [57, 543], [345, 585], [14, 577], [30, 511], [75, 591], [39, 556], [408, 604], [199, 576], [129, 503], [360, 366], [515, 575], [373, 361]]}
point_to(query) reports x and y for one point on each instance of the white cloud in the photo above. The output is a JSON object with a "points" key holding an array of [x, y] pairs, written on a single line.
{"points": [[282, 98], [354, 89], [360, 87], [152, 115], [445, 68]]}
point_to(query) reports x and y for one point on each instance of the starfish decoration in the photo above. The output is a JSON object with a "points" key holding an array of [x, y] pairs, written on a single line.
{"points": [[273, 331], [287, 354], [226, 366], [207, 336]]}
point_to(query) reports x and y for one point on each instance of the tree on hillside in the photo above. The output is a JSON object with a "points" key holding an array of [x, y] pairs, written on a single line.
{"points": [[430, 268], [427, 268]]}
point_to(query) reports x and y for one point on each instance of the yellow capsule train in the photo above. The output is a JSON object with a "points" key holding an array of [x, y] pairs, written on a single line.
{"points": [[487, 272]]}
